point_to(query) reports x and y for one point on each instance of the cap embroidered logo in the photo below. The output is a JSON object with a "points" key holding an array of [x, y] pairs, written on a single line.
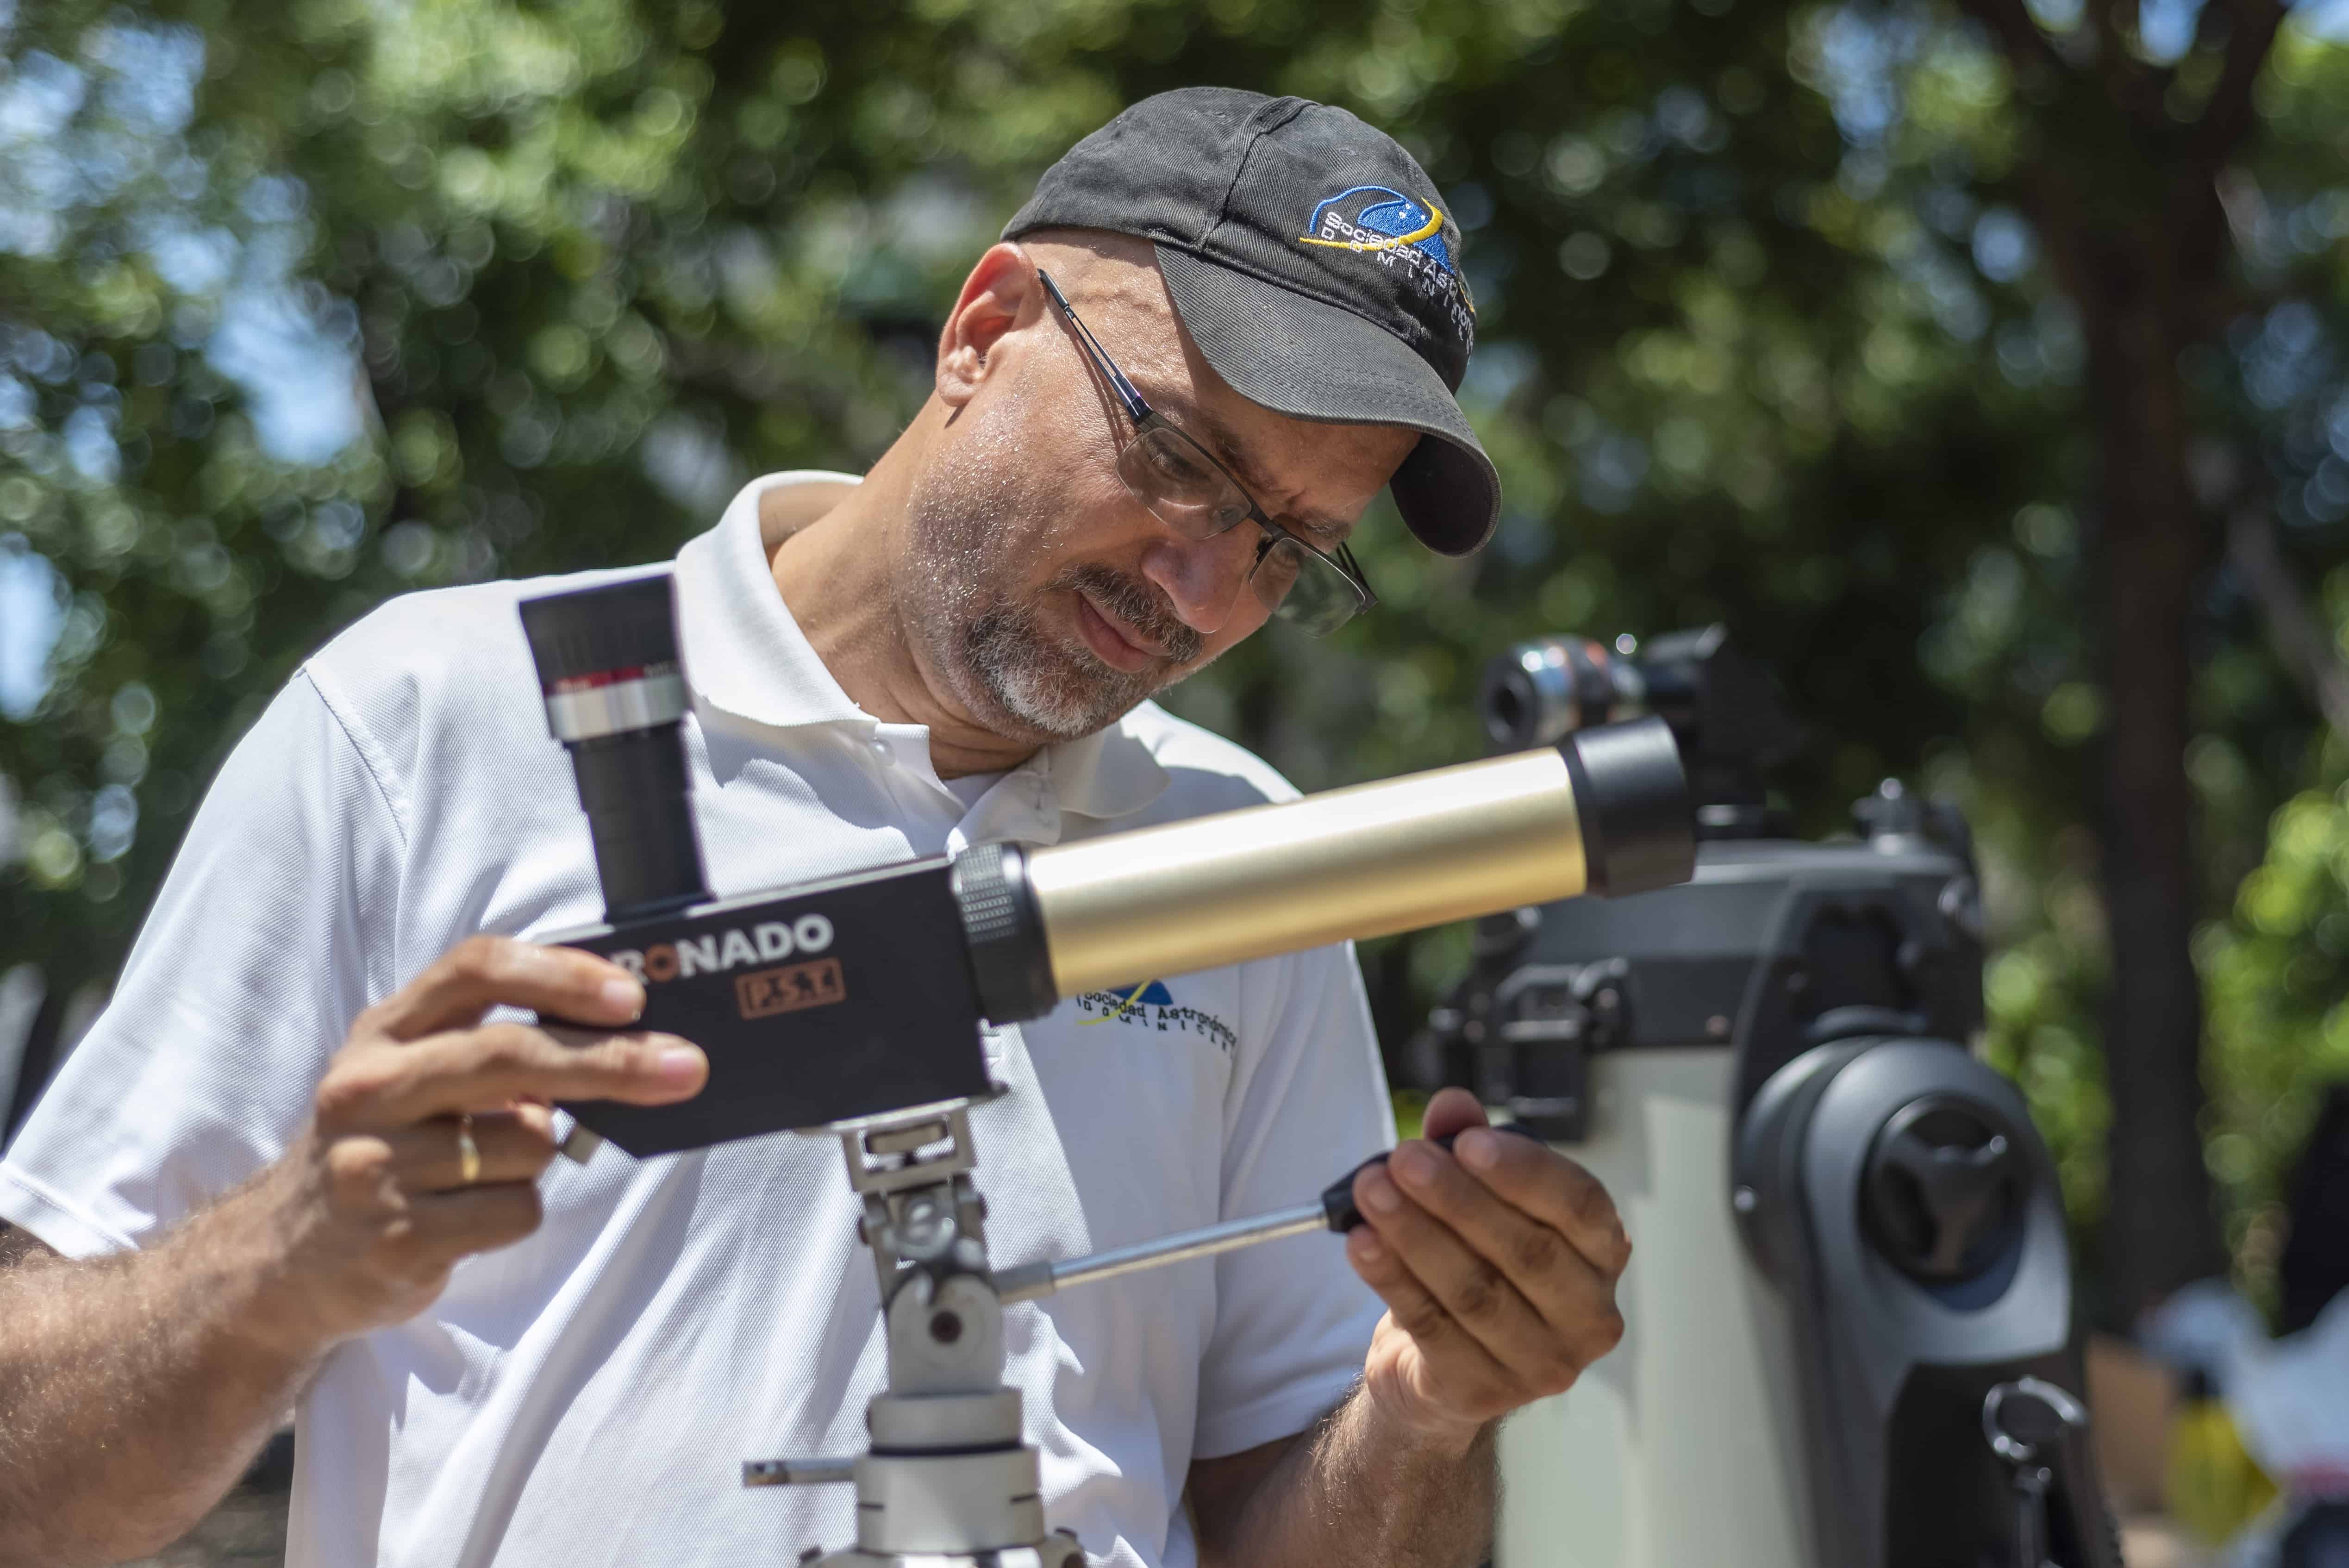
{"points": [[1378, 219], [1373, 218]]}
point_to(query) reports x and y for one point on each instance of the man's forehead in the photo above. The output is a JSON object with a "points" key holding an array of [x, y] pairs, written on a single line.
{"points": [[1150, 343]]}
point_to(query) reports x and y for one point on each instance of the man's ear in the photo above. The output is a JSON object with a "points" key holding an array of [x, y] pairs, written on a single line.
{"points": [[998, 286]]}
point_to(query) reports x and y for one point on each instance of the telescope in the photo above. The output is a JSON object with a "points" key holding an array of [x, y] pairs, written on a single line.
{"points": [[852, 1007], [1850, 1330]]}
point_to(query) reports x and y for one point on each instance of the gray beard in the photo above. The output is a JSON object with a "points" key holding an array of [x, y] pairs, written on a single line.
{"points": [[993, 650], [1061, 691]]}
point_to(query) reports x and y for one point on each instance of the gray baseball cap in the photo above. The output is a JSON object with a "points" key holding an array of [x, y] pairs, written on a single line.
{"points": [[1313, 262]]}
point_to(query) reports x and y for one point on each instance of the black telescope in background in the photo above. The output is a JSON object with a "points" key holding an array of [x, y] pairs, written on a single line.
{"points": [[864, 995], [1768, 1065]]}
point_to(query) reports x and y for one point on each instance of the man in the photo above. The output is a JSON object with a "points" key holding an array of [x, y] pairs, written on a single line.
{"points": [[305, 1158]]}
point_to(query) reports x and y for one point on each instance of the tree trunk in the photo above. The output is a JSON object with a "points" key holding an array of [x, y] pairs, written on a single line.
{"points": [[2125, 200], [2154, 549]]}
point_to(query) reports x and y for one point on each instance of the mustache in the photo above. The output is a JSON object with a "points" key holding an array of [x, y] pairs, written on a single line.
{"points": [[1139, 607]]}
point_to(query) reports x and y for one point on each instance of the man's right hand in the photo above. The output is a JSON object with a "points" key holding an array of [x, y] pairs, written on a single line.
{"points": [[370, 1210]]}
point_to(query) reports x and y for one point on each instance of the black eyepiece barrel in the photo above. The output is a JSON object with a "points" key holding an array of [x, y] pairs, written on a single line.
{"points": [[616, 695]]}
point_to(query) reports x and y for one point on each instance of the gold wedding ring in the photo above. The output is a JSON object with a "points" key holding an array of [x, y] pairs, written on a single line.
{"points": [[469, 1153]]}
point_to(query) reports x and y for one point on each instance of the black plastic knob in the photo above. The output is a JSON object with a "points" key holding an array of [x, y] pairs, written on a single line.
{"points": [[1943, 1194]]}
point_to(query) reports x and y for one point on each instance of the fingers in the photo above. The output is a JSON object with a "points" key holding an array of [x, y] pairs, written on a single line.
{"points": [[1552, 1189], [1453, 1110], [1566, 1289], [1477, 1299], [477, 1219], [388, 1241], [510, 1148], [482, 972], [489, 1069], [1471, 1371]]}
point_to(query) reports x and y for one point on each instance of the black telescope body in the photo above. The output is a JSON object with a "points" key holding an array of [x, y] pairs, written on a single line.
{"points": [[1887, 1197], [862, 995]]}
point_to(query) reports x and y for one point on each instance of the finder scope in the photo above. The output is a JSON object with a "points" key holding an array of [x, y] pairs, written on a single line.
{"points": [[862, 995]]}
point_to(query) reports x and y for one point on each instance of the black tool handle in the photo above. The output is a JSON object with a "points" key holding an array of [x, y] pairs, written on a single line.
{"points": [[1338, 1198]]}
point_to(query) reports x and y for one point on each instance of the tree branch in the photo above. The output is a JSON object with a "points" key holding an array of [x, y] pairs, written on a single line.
{"points": [[2130, 85], [2227, 115], [2294, 628], [2209, 26], [2019, 36]]}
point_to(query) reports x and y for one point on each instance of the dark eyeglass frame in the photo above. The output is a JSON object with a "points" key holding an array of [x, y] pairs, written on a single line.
{"points": [[1339, 560]]}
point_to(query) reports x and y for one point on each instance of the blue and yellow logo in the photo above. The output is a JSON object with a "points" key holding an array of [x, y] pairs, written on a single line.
{"points": [[1151, 1006], [1402, 234], [1373, 218], [1149, 994]]}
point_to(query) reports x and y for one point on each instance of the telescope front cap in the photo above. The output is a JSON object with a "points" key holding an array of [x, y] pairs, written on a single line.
{"points": [[1638, 829]]}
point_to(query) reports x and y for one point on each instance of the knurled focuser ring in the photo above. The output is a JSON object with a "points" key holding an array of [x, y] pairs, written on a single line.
{"points": [[606, 658], [1943, 1194], [1003, 932]]}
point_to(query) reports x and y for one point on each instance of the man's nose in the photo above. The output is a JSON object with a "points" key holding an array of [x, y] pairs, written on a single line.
{"points": [[1203, 578]]}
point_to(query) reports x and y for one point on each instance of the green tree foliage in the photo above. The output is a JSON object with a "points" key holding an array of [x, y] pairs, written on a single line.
{"points": [[304, 303], [2278, 973]]}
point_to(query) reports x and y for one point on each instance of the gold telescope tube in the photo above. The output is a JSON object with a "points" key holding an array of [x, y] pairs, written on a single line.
{"points": [[1605, 811], [1355, 862]]}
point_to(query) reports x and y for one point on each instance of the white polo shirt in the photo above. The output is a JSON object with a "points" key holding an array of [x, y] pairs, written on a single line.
{"points": [[587, 1395]]}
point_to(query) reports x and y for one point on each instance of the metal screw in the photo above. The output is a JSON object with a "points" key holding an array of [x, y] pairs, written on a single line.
{"points": [[1744, 1201], [1717, 1027]]}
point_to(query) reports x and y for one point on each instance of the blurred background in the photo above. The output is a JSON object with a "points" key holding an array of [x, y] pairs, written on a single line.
{"points": [[1984, 365]]}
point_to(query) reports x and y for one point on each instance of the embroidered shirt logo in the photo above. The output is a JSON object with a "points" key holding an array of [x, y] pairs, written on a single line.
{"points": [[1150, 1005]]}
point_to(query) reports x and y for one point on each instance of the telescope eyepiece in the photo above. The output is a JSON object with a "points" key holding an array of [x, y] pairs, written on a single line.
{"points": [[615, 692], [1732, 721], [606, 658], [1540, 692]]}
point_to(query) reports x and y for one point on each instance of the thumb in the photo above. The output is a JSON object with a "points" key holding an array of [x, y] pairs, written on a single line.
{"points": [[1450, 1110]]}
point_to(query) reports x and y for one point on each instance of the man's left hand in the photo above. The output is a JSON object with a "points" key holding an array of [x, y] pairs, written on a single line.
{"points": [[1498, 1262]]}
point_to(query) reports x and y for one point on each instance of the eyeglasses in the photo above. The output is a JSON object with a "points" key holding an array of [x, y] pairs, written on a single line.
{"points": [[1315, 590]]}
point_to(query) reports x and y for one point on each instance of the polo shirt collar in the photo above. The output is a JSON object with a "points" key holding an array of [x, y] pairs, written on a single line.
{"points": [[745, 654]]}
